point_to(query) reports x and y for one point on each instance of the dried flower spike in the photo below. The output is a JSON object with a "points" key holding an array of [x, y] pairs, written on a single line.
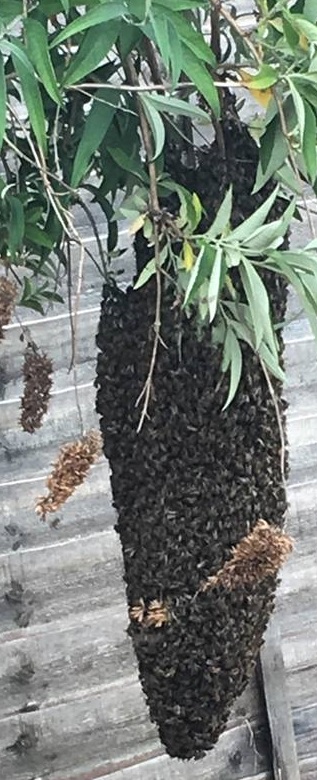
{"points": [[37, 372], [258, 555], [69, 471], [137, 612], [157, 614], [8, 296]]}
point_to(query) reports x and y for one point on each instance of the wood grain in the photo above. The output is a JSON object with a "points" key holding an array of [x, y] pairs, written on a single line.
{"points": [[284, 758], [53, 582]]}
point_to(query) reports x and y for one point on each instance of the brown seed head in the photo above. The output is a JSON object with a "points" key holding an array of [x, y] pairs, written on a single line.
{"points": [[69, 471], [8, 296], [37, 372], [137, 612], [258, 555]]}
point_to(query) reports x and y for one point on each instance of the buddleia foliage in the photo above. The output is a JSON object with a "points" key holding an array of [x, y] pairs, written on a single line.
{"points": [[67, 111]]}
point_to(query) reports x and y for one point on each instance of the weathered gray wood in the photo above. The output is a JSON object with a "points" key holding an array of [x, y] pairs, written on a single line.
{"points": [[51, 664], [53, 582], [160, 769], [285, 763], [88, 511], [97, 728], [102, 733]]}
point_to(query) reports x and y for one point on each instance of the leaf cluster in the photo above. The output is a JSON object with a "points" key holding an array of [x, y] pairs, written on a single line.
{"points": [[72, 122]]}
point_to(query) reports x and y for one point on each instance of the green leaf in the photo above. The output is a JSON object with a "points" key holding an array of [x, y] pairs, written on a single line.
{"points": [[171, 105], [232, 358], [271, 362], [257, 298], [156, 124], [200, 272], [145, 275], [94, 48], [97, 123], [30, 91], [3, 95], [37, 48], [16, 225], [214, 284], [30, 296], [197, 208], [273, 153], [299, 108], [270, 235], [304, 27], [222, 219], [127, 163], [37, 236], [256, 219], [192, 39], [95, 16], [10, 10], [197, 72], [168, 43], [309, 142], [266, 77]]}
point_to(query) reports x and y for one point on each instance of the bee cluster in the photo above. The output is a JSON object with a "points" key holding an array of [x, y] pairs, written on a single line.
{"points": [[187, 488]]}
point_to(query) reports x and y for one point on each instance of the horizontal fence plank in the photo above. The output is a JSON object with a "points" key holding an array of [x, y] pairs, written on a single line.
{"points": [[98, 734], [89, 510], [105, 727], [61, 661], [48, 583]]}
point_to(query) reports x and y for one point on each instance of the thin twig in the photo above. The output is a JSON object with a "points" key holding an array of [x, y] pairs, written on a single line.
{"points": [[155, 209], [236, 27], [55, 144], [93, 223], [168, 88], [279, 422], [146, 392], [73, 318]]}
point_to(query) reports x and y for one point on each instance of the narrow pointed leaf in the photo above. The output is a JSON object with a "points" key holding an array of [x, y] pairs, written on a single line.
{"points": [[96, 126], [95, 16], [257, 298], [256, 219], [94, 48], [214, 285], [156, 124], [197, 72], [37, 48], [30, 92], [232, 360], [176, 106], [200, 272], [222, 218], [2, 101]]}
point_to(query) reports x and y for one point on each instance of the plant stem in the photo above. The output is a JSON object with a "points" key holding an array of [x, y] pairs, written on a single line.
{"points": [[217, 6], [155, 212]]}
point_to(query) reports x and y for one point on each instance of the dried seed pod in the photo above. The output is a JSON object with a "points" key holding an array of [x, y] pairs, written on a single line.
{"points": [[8, 296], [157, 614], [37, 372], [257, 556], [137, 612], [69, 471]]}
